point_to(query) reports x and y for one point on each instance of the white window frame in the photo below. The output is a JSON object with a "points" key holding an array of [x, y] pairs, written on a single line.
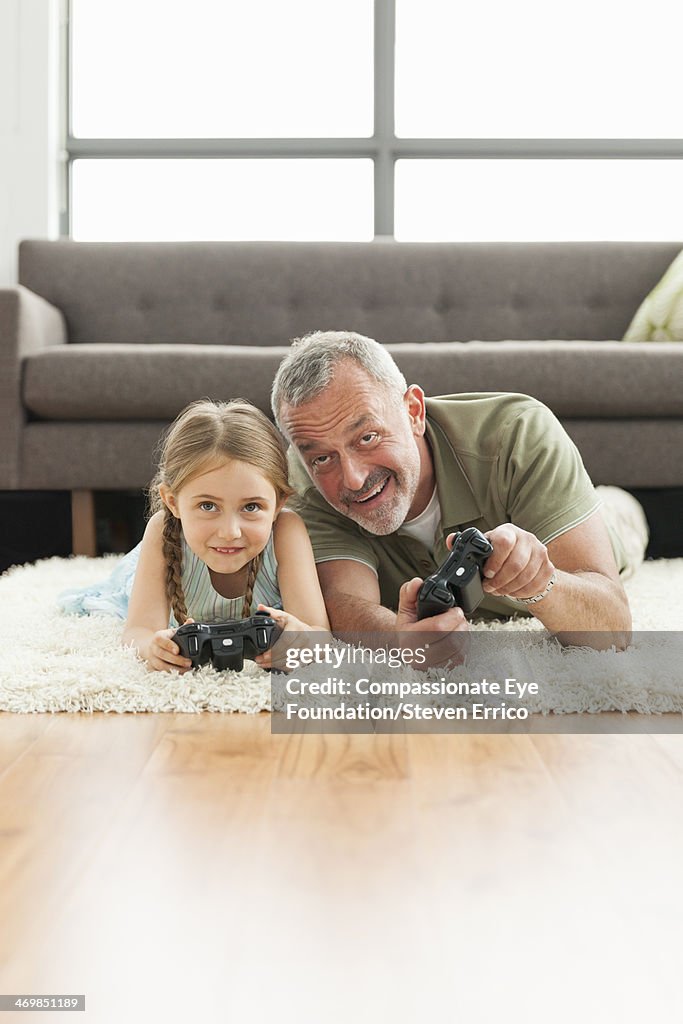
{"points": [[383, 148]]}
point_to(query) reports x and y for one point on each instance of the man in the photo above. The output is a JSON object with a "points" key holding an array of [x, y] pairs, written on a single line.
{"points": [[385, 476]]}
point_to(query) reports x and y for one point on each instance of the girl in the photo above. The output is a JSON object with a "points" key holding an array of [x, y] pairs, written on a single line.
{"points": [[218, 544]]}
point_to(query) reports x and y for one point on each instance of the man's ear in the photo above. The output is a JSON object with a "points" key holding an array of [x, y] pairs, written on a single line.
{"points": [[414, 400], [168, 500]]}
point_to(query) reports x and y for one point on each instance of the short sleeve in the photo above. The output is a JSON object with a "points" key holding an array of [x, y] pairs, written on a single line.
{"points": [[332, 534], [541, 479]]}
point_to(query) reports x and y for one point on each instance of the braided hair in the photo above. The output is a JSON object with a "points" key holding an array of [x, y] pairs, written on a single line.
{"points": [[205, 433], [254, 567], [173, 553]]}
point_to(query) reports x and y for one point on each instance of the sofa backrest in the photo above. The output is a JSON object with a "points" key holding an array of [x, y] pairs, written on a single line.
{"points": [[265, 293]]}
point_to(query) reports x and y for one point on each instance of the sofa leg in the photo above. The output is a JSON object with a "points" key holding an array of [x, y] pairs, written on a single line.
{"points": [[83, 535]]}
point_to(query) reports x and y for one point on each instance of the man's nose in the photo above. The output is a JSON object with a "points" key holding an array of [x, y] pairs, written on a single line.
{"points": [[354, 473]]}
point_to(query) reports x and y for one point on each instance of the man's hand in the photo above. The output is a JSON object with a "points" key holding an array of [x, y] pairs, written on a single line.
{"points": [[353, 599], [588, 608], [445, 636], [519, 566]]}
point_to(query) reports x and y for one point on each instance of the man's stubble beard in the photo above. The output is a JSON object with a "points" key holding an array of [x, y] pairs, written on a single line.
{"points": [[389, 516]]}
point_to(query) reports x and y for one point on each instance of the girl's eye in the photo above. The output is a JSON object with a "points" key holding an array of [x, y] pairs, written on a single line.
{"points": [[252, 506], [203, 505]]}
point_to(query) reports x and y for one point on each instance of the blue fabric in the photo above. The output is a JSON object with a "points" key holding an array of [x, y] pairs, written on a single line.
{"points": [[107, 597], [111, 596]]}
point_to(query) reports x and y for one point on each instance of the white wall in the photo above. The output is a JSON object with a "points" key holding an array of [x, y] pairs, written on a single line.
{"points": [[29, 126]]}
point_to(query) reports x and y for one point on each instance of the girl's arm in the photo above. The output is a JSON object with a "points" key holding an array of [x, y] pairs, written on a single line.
{"points": [[297, 576], [148, 608]]}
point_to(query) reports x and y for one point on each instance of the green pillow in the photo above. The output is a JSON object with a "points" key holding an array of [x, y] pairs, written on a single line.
{"points": [[660, 315]]}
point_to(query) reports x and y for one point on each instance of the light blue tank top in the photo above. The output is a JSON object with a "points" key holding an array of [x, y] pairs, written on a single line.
{"points": [[203, 603]]}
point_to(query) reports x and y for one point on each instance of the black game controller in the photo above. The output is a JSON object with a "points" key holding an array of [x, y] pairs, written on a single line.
{"points": [[227, 644], [458, 580]]}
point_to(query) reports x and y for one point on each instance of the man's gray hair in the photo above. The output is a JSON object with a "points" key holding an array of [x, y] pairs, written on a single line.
{"points": [[310, 365]]}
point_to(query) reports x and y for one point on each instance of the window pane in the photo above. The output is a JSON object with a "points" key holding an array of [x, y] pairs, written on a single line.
{"points": [[533, 69], [539, 200], [222, 68], [138, 200]]}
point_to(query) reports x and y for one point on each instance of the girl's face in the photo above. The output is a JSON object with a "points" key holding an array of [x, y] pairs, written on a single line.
{"points": [[227, 514]]}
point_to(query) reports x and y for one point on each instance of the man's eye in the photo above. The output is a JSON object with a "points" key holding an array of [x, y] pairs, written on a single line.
{"points": [[369, 438], [319, 460]]}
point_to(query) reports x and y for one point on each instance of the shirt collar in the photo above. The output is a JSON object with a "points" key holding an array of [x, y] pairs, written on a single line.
{"points": [[456, 497]]}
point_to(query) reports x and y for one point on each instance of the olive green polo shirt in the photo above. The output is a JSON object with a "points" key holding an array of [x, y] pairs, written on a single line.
{"points": [[497, 458]]}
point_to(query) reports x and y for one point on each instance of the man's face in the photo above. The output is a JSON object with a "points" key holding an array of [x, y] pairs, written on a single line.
{"points": [[359, 444]]}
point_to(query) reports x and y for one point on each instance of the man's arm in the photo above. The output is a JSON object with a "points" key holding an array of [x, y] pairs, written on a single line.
{"points": [[589, 594], [587, 605], [352, 597]]}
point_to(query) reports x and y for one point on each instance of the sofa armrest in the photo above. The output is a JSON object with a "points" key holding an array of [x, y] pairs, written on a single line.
{"points": [[28, 323]]}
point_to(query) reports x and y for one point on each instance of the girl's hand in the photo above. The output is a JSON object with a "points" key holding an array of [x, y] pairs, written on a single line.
{"points": [[296, 636], [285, 621], [163, 655]]}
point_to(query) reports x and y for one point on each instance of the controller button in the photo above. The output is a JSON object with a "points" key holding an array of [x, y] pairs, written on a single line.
{"points": [[227, 642], [460, 571], [261, 637], [193, 645]]}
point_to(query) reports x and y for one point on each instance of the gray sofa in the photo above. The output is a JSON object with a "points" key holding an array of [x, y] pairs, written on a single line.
{"points": [[101, 345]]}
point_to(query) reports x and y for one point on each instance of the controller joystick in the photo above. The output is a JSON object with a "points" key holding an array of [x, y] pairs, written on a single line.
{"points": [[227, 644], [458, 580]]}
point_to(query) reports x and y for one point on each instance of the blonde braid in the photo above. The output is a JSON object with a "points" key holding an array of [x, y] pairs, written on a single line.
{"points": [[172, 549], [254, 567]]}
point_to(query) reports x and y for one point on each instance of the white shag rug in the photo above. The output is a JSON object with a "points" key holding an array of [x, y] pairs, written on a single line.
{"points": [[55, 662]]}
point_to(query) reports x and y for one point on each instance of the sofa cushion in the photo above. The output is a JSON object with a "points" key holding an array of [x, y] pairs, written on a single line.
{"points": [[116, 456], [154, 382], [264, 293], [660, 315], [575, 379], [144, 382]]}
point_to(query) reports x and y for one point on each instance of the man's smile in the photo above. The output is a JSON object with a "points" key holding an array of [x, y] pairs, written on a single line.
{"points": [[369, 498]]}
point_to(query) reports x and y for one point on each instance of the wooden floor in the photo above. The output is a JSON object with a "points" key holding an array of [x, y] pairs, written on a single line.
{"points": [[197, 868]]}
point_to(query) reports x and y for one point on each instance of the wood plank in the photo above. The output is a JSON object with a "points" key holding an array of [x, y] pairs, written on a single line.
{"points": [[55, 799], [352, 757], [167, 875], [196, 866], [18, 733]]}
